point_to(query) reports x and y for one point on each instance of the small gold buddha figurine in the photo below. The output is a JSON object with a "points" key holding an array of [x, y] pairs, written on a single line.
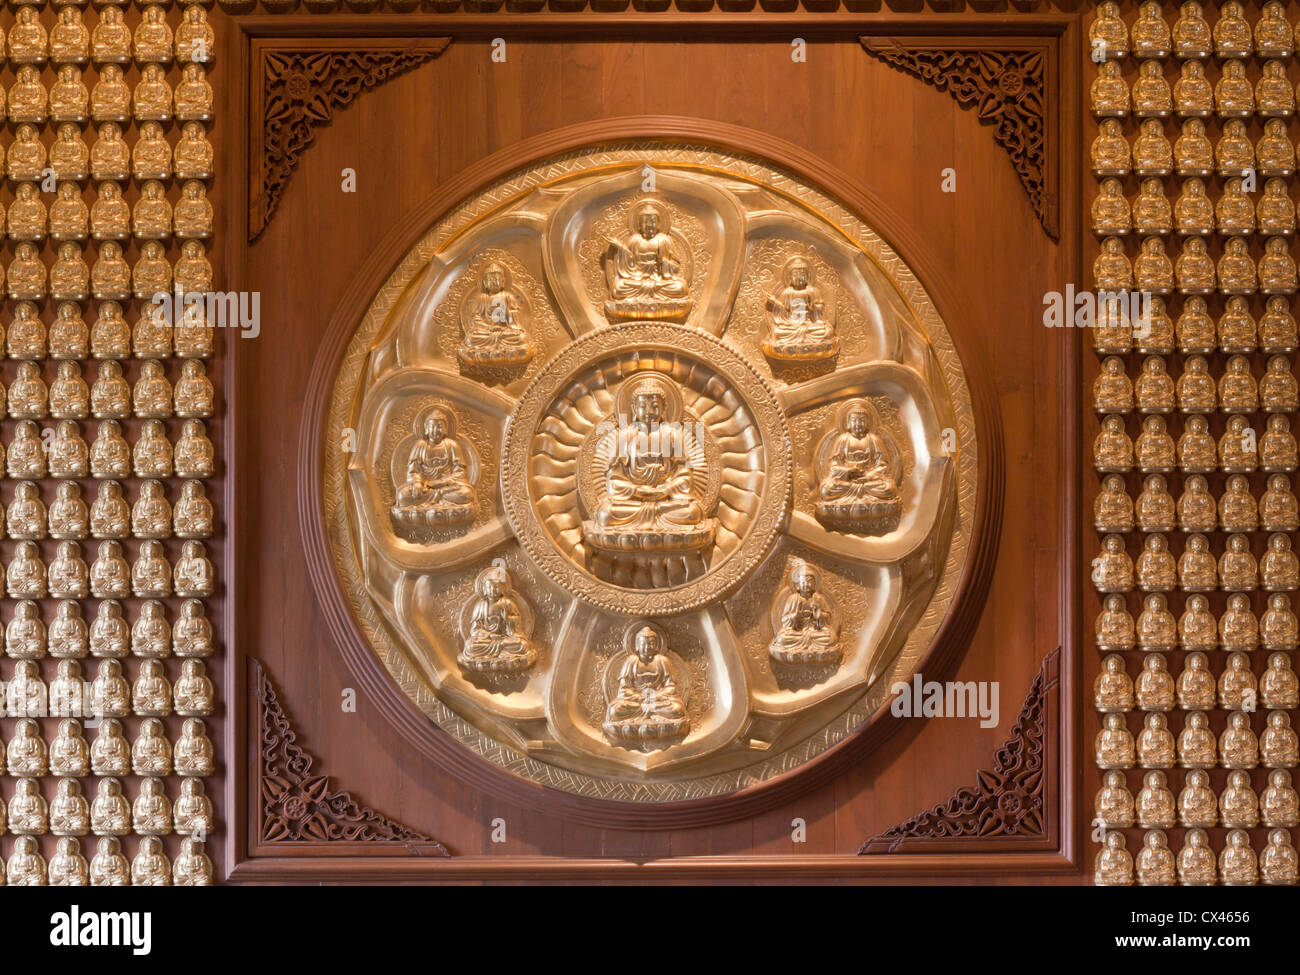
{"points": [[26, 454], [194, 151], [192, 814], [1238, 569], [1279, 570], [1237, 330], [109, 753], [1278, 687], [1233, 95], [110, 217], [194, 392], [1109, 92], [26, 517], [1279, 804], [1152, 269], [152, 215], [110, 157], [194, 574], [1233, 153], [1273, 32], [192, 867], [1238, 746], [69, 636], [150, 866], [1191, 35], [1154, 389], [1238, 511], [1115, 629], [1193, 152], [1152, 153], [153, 38], [1112, 691], [1155, 506], [192, 635], [25, 577], [1154, 687], [69, 98], [1109, 154], [1115, 748], [1197, 571], [1196, 453], [25, 634], [1236, 269], [1110, 210], [1278, 745], [69, 215], [111, 40], [1155, 861], [1196, 690], [28, 42], [68, 573], [1275, 152], [1196, 627], [68, 454], [193, 694], [1196, 801], [1155, 447], [151, 752], [1113, 508], [111, 394], [1278, 446], [110, 99], [1274, 96], [26, 866], [1237, 864], [69, 812], [1157, 631], [69, 338], [152, 393], [1111, 269], [68, 156], [1279, 628], [25, 754], [194, 748], [1155, 743], [1194, 213], [1235, 211], [151, 514], [151, 812], [1238, 627], [27, 214], [1155, 803], [69, 753], [193, 269], [193, 214], [1113, 866], [68, 517], [1112, 569], [195, 40], [152, 692], [109, 634], [70, 39], [1152, 97], [1193, 94], [151, 572], [152, 98], [110, 338], [1107, 35], [109, 813], [1278, 863], [26, 277], [151, 634], [1278, 392], [109, 574], [1151, 212], [152, 274], [1194, 269], [152, 335], [1112, 390], [70, 275], [1195, 390], [111, 276], [1196, 743], [152, 455], [25, 157], [1238, 689], [1149, 34], [28, 397], [1237, 390], [193, 99], [1275, 212], [1232, 35]]}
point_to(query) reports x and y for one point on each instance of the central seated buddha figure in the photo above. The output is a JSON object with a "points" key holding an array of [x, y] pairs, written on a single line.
{"points": [[859, 470], [649, 505], [438, 488], [802, 326], [646, 268], [647, 705]]}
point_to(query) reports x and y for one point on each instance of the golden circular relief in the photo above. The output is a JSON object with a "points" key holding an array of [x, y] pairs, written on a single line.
{"points": [[651, 469]]}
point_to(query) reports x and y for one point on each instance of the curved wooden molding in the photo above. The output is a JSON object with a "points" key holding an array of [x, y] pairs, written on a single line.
{"points": [[298, 806], [298, 85], [1007, 801], [1009, 82]]}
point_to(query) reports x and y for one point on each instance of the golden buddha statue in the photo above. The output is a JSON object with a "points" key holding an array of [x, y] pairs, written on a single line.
{"points": [[26, 335], [648, 703], [69, 337], [1275, 152], [1238, 746], [151, 633], [1115, 628], [1277, 387], [110, 157], [1155, 447], [26, 455], [28, 42], [151, 752], [25, 157], [1195, 389], [1238, 511], [69, 517], [1156, 629], [26, 277], [25, 754], [110, 754], [1278, 745], [1113, 508], [192, 635], [1232, 35], [1151, 212], [1196, 627], [111, 40], [1192, 154], [1275, 212], [67, 573], [150, 866], [70, 275], [69, 98], [1112, 451], [194, 454], [1194, 270], [1273, 38], [193, 101], [1191, 34], [1196, 802], [1113, 866], [1154, 687], [1112, 390], [1238, 627], [1156, 568], [109, 637], [28, 397], [26, 517], [1193, 95], [152, 393], [1237, 331], [1235, 211], [1196, 567], [25, 635], [1274, 96], [1233, 95], [192, 867], [193, 693], [151, 573], [193, 214], [1155, 861], [1233, 153], [1279, 569], [193, 516], [1109, 154], [192, 814], [801, 320], [1109, 91], [27, 214], [109, 576], [1107, 34], [647, 269], [1195, 685], [111, 276], [1113, 806], [1237, 864], [439, 477], [497, 631], [1236, 268], [1278, 687], [152, 692], [1155, 743], [69, 753], [859, 467], [194, 749], [1238, 570], [1237, 687], [153, 38], [1237, 390], [194, 391], [1279, 804], [1152, 269], [151, 158], [1155, 506], [111, 395], [70, 39], [152, 214], [195, 39], [152, 97], [1194, 213], [69, 216], [1196, 743], [69, 812], [1279, 629], [151, 813], [1111, 269], [1155, 803], [194, 575], [110, 99], [110, 338], [152, 274], [151, 515], [1278, 864], [1278, 446], [110, 217], [1152, 153], [1151, 98], [194, 153]]}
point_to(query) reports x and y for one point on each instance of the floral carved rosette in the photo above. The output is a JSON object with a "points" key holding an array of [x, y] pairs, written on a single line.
{"points": [[659, 470]]}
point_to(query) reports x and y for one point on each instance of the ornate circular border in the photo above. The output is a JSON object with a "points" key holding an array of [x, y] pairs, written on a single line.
{"points": [[537, 398], [450, 742]]}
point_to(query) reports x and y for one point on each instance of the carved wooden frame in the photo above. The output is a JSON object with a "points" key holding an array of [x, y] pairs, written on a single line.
{"points": [[1050, 720]]}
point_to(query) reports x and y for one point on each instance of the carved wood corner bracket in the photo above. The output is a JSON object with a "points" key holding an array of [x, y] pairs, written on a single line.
{"points": [[1009, 801], [298, 85], [1010, 84], [298, 805]]}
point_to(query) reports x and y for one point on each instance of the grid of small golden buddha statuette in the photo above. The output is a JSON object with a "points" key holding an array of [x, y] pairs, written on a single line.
{"points": [[106, 516], [1195, 510]]}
